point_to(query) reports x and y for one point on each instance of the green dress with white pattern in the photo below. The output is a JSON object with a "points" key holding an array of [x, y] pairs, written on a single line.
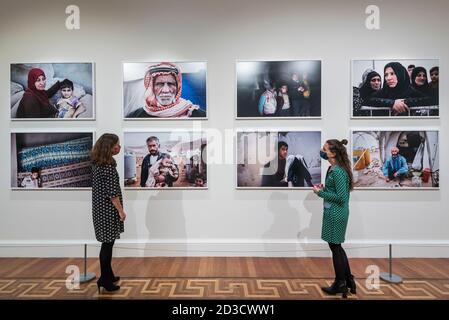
{"points": [[336, 205]]}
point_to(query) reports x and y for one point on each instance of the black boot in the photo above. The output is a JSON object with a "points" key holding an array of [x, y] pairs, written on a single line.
{"points": [[350, 282], [108, 286], [339, 286], [115, 278]]}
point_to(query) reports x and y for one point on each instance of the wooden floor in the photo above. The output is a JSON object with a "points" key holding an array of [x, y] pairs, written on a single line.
{"points": [[220, 278]]}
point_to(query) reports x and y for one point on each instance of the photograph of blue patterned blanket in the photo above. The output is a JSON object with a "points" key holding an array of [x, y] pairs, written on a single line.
{"points": [[78, 175], [54, 155]]}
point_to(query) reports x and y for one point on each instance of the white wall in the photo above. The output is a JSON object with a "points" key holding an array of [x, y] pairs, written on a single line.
{"points": [[222, 220]]}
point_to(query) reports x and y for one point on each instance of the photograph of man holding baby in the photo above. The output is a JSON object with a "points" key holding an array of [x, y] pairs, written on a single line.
{"points": [[173, 159]]}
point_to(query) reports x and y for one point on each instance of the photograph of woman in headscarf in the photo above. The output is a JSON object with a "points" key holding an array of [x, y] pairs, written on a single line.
{"points": [[402, 93], [51, 91]]}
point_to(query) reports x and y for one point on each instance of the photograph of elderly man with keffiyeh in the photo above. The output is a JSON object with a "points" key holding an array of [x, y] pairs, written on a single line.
{"points": [[164, 90]]}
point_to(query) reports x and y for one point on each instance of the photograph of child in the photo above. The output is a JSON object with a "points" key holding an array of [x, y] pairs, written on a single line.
{"points": [[285, 89], [32, 180], [200, 181], [164, 168], [68, 105]]}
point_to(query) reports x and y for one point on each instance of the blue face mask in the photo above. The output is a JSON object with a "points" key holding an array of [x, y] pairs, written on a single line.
{"points": [[323, 155]]}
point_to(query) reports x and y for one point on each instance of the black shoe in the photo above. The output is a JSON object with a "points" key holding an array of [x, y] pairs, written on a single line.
{"points": [[350, 282], [339, 286], [107, 286]]}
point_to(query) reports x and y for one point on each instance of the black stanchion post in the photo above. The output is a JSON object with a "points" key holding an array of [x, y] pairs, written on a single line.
{"points": [[87, 276], [390, 277]]}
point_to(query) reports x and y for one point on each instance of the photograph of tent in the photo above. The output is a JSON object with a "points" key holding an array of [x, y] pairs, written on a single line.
{"points": [[395, 159]]}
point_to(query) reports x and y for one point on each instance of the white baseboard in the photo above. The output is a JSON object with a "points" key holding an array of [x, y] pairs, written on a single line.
{"points": [[226, 247]]}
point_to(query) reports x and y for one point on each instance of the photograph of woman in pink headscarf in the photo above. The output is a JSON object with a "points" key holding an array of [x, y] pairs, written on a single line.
{"points": [[51, 91], [164, 90]]}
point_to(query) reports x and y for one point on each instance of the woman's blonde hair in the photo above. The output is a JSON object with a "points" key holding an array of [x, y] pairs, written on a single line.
{"points": [[101, 153]]}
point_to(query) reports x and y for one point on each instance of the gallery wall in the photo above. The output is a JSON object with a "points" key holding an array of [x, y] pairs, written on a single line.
{"points": [[222, 220]]}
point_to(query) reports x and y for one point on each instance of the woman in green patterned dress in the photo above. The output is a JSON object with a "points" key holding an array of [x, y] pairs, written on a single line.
{"points": [[338, 184]]}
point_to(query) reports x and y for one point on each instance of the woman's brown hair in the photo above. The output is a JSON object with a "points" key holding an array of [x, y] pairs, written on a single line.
{"points": [[342, 158], [101, 153]]}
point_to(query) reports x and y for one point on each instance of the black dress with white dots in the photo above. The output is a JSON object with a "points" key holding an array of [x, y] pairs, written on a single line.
{"points": [[106, 185]]}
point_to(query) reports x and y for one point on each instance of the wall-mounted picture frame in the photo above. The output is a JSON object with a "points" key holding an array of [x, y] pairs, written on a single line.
{"points": [[165, 159], [395, 88], [52, 91], [51, 160], [395, 159], [278, 89], [278, 159], [165, 90]]}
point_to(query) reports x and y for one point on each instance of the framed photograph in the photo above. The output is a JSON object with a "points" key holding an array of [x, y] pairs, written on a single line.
{"points": [[395, 88], [396, 159], [164, 90], [52, 91], [278, 89], [174, 159], [51, 160], [271, 159]]}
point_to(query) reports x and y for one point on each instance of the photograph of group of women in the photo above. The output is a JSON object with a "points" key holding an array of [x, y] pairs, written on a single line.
{"points": [[54, 160], [395, 88], [52, 91], [396, 159], [164, 90], [283, 89], [278, 159], [171, 159]]}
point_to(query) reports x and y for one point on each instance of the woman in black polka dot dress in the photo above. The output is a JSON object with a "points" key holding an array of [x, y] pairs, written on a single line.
{"points": [[107, 205]]}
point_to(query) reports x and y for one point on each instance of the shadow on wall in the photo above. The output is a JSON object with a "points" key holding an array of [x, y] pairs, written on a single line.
{"points": [[165, 220], [313, 205], [287, 225]]}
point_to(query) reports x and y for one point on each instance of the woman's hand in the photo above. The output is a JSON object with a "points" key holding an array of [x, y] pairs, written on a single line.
{"points": [[122, 215], [399, 106], [317, 188]]}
